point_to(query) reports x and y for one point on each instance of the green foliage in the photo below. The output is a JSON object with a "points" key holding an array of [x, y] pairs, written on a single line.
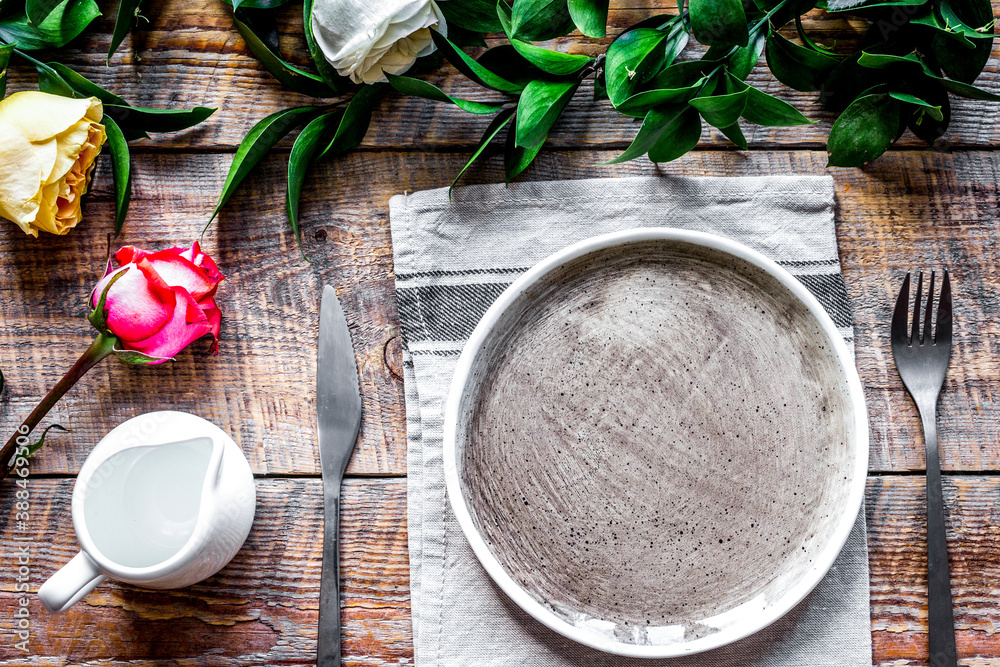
{"points": [[128, 13], [899, 76], [121, 171], [304, 151], [294, 78], [41, 440], [45, 24], [261, 138], [719, 22], [420, 88], [5, 51], [540, 106]]}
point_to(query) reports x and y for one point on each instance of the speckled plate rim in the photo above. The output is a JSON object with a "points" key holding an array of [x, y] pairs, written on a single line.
{"points": [[754, 621]]}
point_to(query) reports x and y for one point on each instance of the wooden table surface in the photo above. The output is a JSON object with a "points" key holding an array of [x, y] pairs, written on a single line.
{"points": [[915, 208]]}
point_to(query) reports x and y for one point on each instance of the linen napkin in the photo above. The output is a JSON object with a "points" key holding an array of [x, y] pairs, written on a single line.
{"points": [[452, 260]]}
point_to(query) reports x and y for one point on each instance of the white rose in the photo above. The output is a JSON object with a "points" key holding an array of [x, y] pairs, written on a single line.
{"points": [[363, 39]]}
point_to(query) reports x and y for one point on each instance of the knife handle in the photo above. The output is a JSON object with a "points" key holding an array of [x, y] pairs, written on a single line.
{"points": [[328, 639]]}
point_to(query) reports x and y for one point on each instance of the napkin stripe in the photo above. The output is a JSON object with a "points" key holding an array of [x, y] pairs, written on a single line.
{"points": [[439, 313], [404, 277]]}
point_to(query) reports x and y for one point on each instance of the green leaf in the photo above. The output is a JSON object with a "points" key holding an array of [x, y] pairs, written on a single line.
{"points": [[355, 121], [883, 60], [636, 56], [98, 317], [741, 60], [682, 137], [722, 110], [497, 124], [517, 158], [797, 67], [5, 51], [255, 145], [470, 68], [735, 135], [590, 16], [958, 62], [552, 62], [962, 23], [719, 22], [128, 11], [49, 80], [15, 29], [137, 358], [67, 20], [967, 90], [921, 124], [600, 87], [680, 75], [764, 109], [934, 111], [307, 144], [326, 71], [913, 64], [541, 104], [462, 37], [121, 171], [41, 441], [420, 88], [505, 61], [780, 12], [474, 15], [84, 87], [136, 121], [39, 10], [539, 20], [292, 77], [637, 105], [864, 131], [658, 122]]}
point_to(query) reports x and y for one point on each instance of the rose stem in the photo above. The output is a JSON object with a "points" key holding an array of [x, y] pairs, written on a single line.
{"points": [[98, 350]]}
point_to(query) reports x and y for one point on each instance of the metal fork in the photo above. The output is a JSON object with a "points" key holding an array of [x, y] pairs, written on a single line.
{"points": [[922, 361]]}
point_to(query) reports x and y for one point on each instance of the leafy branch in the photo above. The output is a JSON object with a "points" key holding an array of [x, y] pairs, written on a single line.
{"points": [[913, 56]]}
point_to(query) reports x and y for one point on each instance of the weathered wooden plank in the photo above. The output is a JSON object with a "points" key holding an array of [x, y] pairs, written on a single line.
{"points": [[189, 54], [910, 210], [261, 609]]}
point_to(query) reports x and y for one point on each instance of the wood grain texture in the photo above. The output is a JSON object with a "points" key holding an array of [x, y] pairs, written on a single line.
{"points": [[189, 54], [908, 211], [261, 608]]}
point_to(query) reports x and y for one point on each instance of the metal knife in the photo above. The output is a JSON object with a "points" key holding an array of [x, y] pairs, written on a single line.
{"points": [[338, 407]]}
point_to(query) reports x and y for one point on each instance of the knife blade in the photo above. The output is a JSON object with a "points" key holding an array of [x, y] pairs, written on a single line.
{"points": [[338, 408]]}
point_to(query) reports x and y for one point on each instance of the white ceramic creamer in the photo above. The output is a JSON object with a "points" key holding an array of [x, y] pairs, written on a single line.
{"points": [[165, 500]]}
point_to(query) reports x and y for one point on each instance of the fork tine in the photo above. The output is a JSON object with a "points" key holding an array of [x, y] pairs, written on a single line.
{"points": [[928, 336], [915, 331], [944, 313], [899, 319]]}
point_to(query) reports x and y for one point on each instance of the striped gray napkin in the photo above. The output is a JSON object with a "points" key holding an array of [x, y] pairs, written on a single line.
{"points": [[452, 260]]}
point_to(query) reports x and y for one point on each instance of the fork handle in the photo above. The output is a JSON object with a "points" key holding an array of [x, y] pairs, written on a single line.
{"points": [[940, 618]]}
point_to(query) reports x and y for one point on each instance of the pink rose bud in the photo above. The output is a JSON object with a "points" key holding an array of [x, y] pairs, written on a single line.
{"points": [[162, 301]]}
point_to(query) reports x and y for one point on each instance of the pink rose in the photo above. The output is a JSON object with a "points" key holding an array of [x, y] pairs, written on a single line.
{"points": [[162, 300]]}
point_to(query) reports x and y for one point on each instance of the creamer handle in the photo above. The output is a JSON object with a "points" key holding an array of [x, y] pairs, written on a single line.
{"points": [[73, 580]]}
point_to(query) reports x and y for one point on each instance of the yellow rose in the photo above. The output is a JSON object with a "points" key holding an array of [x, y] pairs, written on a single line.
{"points": [[48, 145]]}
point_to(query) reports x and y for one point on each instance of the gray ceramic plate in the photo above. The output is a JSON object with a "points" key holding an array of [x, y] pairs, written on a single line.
{"points": [[656, 442]]}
